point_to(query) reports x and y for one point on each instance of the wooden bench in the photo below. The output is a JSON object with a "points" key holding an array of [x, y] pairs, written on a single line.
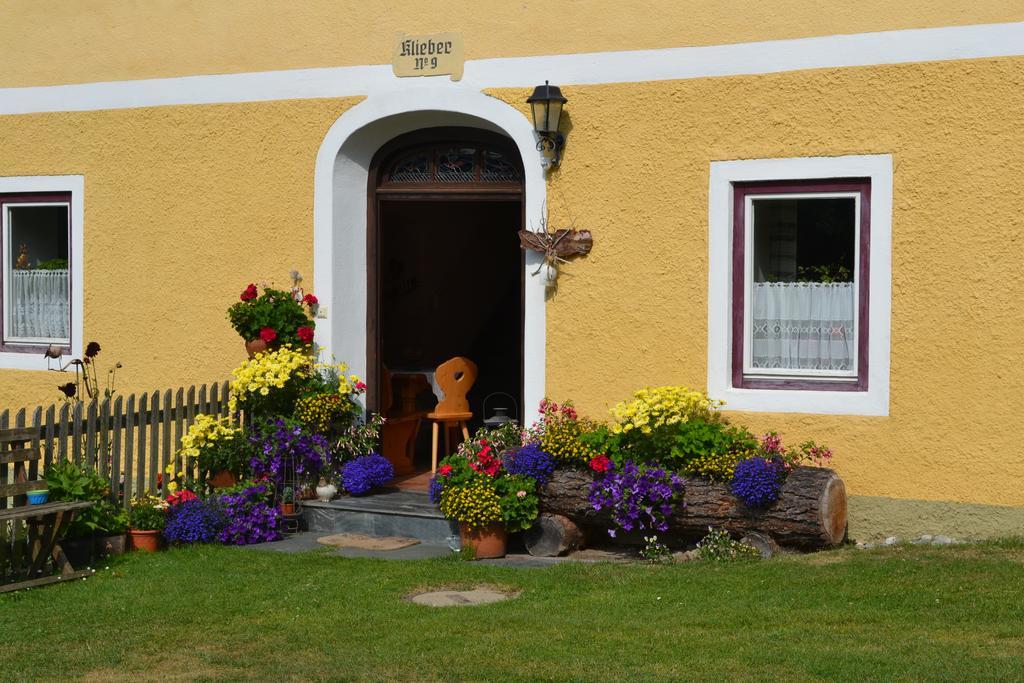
{"points": [[28, 558]]}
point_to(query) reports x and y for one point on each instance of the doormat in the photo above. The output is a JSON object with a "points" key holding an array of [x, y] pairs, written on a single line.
{"points": [[364, 542]]}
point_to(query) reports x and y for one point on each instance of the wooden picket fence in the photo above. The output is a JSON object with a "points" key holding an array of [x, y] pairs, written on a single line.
{"points": [[129, 440]]}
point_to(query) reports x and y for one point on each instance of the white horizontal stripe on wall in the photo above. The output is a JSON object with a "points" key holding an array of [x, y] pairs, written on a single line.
{"points": [[862, 49]]}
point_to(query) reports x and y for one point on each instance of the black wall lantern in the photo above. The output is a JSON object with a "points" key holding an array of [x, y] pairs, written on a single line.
{"points": [[546, 103]]}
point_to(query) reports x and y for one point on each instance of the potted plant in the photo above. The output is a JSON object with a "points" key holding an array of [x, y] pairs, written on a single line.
{"points": [[69, 482], [113, 527], [287, 451], [288, 501], [272, 319], [220, 449], [489, 493], [146, 520]]}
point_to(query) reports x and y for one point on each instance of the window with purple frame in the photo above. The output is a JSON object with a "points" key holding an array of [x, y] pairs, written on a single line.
{"points": [[35, 283], [800, 284]]}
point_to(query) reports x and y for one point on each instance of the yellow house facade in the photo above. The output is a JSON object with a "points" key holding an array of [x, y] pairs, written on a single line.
{"points": [[196, 147]]}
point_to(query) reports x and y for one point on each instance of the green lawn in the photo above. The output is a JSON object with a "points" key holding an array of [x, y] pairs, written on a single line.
{"points": [[205, 613]]}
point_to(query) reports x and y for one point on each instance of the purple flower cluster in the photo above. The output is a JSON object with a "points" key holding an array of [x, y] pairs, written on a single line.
{"points": [[638, 499], [530, 461], [435, 489], [249, 518], [287, 450], [194, 521], [366, 472], [757, 481]]}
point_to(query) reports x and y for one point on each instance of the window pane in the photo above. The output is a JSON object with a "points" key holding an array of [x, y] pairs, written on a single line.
{"points": [[38, 298], [803, 298], [455, 165], [497, 168], [412, 169]]}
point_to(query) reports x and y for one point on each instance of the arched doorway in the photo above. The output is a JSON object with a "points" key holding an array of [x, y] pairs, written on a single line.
{"points": [[444, 269]]}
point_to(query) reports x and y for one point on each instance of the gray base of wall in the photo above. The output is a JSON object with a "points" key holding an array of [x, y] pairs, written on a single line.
{"points": [[875, 517], [386, 513]]}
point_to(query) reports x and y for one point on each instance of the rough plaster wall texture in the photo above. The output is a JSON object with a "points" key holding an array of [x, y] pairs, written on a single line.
{"points": [[161, 182], [633, 313], [183, 207], [187, 37]]}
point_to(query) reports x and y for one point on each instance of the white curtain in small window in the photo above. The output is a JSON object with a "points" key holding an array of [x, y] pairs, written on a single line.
{"points": [[803, 326], [39, 305]]}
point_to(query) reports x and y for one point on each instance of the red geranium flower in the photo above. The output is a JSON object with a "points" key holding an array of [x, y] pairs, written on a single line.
{"points": [[360, 386], [249, 294], [600, 463], [268, 334], [180, 497], [305, 334], [444, 470], [309, 300], [486, 462]]}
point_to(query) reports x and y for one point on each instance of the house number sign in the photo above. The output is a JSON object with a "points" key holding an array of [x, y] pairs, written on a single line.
{"points": [[437, 54]]}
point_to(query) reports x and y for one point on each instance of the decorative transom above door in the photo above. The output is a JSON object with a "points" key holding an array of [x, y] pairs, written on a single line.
{"points": [[450, 164]]}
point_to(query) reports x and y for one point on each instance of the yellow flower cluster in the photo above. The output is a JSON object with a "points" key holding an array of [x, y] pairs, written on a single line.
{"points": [[205, 431], [717, 466], [346, 383], [149, 501], [319, 411], [652, 408], [475, 505], [561, 440], [267, 371]]}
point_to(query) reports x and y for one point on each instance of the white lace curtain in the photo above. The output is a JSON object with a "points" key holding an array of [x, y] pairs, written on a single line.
{"points": [[39, 304], [803, 325]]}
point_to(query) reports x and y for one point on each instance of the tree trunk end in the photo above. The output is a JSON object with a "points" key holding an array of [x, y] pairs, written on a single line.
{"points": [[553, 536]]}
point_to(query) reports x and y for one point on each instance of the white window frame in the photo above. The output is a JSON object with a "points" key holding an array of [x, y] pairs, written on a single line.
{"points": [[723, 174], [75, 186], [748, 297]]}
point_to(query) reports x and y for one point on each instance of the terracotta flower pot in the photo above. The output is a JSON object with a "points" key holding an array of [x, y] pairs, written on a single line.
{"points": [[255, 346], [222, 480], [287, 508], [146, 541], [487, 542]]}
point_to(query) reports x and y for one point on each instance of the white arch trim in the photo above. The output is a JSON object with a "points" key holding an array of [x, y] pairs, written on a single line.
{"points": [[339, 212]]}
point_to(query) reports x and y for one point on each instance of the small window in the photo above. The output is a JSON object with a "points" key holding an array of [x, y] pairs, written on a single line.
{"points": [[35, 279], [800, 270], [447, 165]]}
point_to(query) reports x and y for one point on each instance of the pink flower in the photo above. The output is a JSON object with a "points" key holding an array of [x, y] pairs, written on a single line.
{"points": [[521, 494], [360, 386]]}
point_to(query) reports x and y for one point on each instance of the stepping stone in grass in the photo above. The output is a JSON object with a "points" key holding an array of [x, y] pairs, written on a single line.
{"points": [[477, 596]]}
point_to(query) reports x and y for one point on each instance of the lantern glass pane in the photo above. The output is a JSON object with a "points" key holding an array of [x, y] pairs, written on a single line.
{"points": [[554, 113], [539, 112]]}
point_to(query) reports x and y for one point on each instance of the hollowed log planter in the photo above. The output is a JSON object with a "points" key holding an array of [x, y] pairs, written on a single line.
{"points": [[809, 514]]}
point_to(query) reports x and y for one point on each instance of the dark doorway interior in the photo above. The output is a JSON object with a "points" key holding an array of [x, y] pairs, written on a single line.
{"points": [[451, 285]]}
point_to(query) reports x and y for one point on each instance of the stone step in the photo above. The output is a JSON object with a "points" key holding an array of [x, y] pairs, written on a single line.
{"points": [[387, 513]]}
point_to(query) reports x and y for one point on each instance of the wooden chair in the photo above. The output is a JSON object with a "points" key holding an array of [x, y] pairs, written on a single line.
{"points": [[44, 524], [455, 376], [401, 425]]}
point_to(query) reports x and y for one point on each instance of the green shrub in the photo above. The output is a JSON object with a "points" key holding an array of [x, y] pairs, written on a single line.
{"points": [[718, 546], [69, 482]]}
